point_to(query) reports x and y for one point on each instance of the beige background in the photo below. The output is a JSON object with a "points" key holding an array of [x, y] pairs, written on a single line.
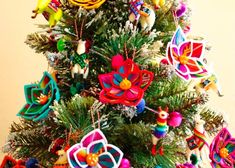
{"points": [[19, 65]]}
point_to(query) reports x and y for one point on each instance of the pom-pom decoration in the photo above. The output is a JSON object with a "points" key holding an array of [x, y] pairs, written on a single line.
{"points": [[117, 61], [87, 4], [50, 10], [186, 57], [61, 45], [32, 163], [174, 119], [94, 151], [126, 85], [8, 161], [56, 145], [222, 150], [181, 10], [140, 107], [39, 97], [125, 163]]}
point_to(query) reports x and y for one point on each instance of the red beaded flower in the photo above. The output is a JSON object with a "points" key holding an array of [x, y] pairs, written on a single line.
{"points": [[126, 85]]}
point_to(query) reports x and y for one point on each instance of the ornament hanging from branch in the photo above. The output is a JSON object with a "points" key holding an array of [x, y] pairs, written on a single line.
{"points": [[80, 62], [196, 143], [8, 161], [164, 120], [209, 83], [143, 12], [50, 10], [222, 150], [87, 4], [39, 97], [186, 57], [125, 85], [94, 151], [62, 161]]}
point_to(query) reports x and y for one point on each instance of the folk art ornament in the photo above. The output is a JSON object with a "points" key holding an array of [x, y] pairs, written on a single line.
{"points": [[94, 151], [186, 56], [222, 150], [50, 10], [9, 161], [62, 161], [142, 12], [125, 85], [160, 129], [80, 62], [209, 83], [87, 4], [39, 97], [197, 143]]}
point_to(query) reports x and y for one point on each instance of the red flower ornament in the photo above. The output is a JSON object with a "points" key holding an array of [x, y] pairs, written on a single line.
{"points": [[126, 85]]}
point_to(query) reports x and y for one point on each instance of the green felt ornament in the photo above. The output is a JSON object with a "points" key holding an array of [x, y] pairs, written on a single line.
{"points": [[39, 97]]}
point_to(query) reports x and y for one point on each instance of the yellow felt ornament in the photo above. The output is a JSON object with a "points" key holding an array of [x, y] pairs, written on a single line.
{"points": [[87, 4], [50, 10], [158, 3]]}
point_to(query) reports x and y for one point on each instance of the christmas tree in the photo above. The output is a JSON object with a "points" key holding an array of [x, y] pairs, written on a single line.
{"points": [[120, 72]]}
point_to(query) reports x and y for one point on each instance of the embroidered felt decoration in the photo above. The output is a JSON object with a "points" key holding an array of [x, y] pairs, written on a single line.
{"points": [[126, 85], [222, 150], [186, 57], [39, 97], [8, 161], [94, 151]]}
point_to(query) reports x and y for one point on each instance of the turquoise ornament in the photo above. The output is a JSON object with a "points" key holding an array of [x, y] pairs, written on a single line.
{"points": [[39, 97]]}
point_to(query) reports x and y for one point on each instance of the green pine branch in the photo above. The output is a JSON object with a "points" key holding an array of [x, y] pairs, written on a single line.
{"points": [[40, 43]]}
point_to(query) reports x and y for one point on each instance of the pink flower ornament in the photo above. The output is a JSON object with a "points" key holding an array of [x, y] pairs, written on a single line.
{"points": [[222, 150], [186, 56], [94, 151]]}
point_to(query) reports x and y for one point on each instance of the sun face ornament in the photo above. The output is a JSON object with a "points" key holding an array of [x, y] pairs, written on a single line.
{"points": [[186, 56]]}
